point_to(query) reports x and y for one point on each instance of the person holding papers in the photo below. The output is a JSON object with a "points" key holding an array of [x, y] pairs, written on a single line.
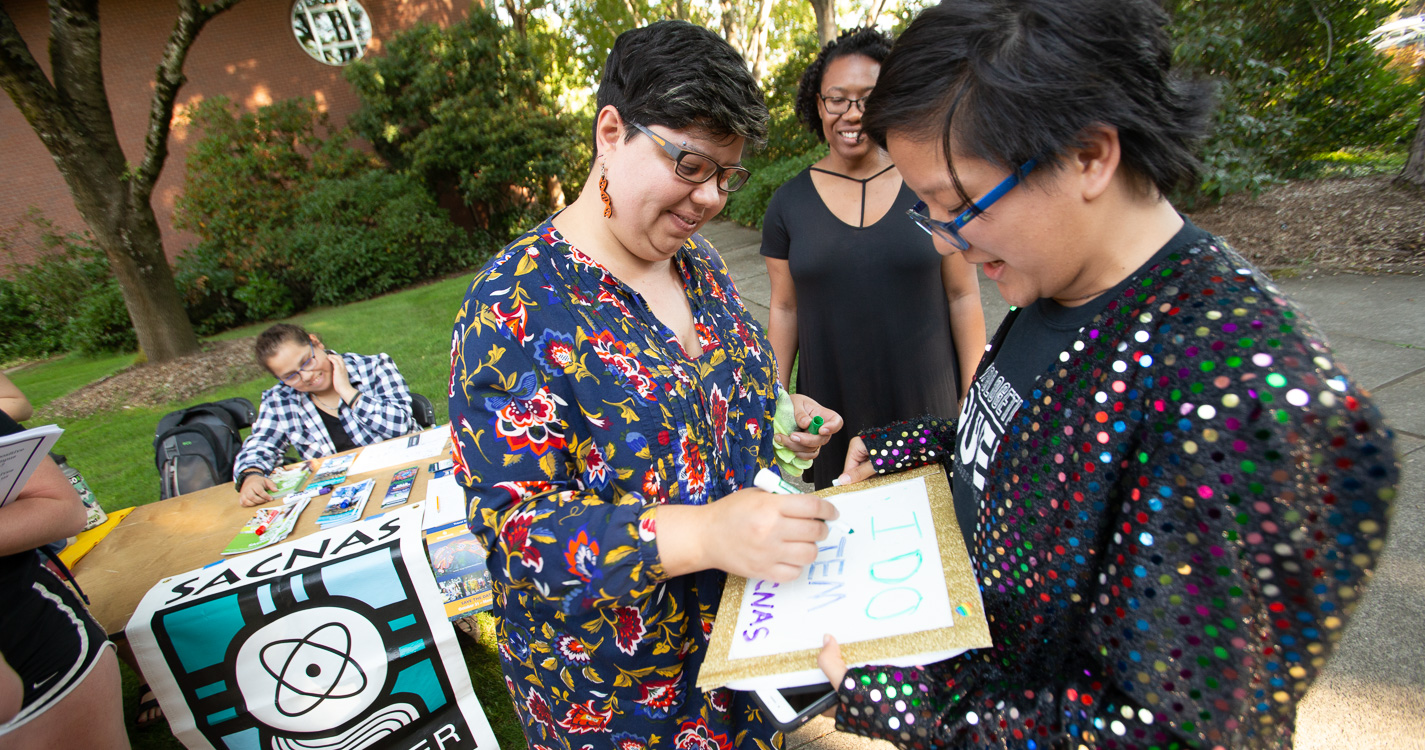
{"points": [[323, 403], [1171, 491], [68, 675], [611, 400]]}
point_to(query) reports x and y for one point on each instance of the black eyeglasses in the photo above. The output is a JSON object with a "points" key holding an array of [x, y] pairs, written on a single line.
{"points": [[307, 365], [840, 105], [698, 168], [950, 230]]}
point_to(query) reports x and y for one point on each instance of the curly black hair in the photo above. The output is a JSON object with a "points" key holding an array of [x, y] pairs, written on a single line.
{"points": [[868, 41]]}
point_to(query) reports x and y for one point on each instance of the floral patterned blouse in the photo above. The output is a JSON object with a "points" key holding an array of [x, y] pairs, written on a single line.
{"points": [[575, 413]]}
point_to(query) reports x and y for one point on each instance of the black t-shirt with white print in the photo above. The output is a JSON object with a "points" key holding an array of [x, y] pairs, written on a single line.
{"points": [[1033, 337]]}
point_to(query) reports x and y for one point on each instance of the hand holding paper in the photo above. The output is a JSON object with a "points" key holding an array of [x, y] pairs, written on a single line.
{"points": [[858, 464]]}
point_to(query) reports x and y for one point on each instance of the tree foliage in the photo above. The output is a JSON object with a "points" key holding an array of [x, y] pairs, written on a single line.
{"points": [[1295, 80], [464, 107], [248, 173], [290, 214]]}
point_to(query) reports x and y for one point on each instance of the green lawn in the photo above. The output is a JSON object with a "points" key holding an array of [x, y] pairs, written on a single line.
{"points": [[114, 449]]}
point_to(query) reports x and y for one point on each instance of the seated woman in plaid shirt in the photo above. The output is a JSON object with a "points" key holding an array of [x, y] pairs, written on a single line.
{"points": [[325, 403]]}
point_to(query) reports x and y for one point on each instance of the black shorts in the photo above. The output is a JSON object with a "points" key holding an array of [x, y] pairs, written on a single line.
{"points": [[50, 640]]}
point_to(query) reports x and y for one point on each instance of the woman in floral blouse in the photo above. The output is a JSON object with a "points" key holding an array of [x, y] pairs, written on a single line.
{"points": [[611, 400], [1171, 490]]}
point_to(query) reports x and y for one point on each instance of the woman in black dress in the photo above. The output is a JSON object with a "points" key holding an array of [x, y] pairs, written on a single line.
{"points": [[887, 329]]}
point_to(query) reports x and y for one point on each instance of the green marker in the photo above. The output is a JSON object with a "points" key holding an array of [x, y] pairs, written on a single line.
{"points": [[815, 426]]}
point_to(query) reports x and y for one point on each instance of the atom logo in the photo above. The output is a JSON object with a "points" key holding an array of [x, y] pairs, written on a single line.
{"points": [[323, 655], [312, 670]]}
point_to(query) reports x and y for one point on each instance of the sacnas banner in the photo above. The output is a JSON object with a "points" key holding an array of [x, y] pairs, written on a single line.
{"points": [[337, 641]]}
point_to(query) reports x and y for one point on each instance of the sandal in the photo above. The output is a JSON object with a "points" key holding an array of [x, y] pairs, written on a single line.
{"points": [[469, 627], [147, 708]]}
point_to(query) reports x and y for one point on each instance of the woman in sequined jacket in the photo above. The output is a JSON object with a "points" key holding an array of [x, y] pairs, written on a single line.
{"points": [[1171, 491]]}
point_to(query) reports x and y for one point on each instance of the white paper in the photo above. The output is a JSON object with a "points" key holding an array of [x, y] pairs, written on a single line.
{"points": [[406, 450], [445, 502], [20, 453], [877, 575]]}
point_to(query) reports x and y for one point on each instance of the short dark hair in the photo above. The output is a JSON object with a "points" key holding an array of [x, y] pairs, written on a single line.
{"points": [[867, 42], [678, 75], [1012, 80], [275, 336]]}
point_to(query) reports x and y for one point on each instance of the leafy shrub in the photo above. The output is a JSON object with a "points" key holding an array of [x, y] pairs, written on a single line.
{"points": [[265, 297], [249, 172], [291, 214], [1295, 80], [101, 322], [72, 299], [367, 235], [748, 205], [209, 288], [463, 107], [22, 338]]}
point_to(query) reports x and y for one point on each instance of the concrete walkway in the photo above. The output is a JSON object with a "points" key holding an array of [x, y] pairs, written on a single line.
{"points": [[1372, 693]]}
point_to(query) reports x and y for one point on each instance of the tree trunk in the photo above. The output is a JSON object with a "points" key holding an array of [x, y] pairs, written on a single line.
{"points": [[72, 118], [825, 19], [1414, 171]]}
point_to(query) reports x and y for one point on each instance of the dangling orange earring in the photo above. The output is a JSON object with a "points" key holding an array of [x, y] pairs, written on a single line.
{"points": [[604, 192]]}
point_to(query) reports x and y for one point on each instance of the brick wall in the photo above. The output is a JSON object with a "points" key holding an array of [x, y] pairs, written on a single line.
{"points": [[247, 54]]}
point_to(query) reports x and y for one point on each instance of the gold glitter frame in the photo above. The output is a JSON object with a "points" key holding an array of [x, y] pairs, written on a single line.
{"points": [[970, 631]]}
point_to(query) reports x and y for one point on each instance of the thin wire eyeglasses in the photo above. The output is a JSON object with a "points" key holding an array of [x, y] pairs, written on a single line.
{"points": [[950, 230], [307, 365], [698, 168], [840, 105]]}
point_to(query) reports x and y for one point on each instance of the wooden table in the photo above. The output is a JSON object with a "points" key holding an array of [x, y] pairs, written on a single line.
{"points": [[185, 533]]}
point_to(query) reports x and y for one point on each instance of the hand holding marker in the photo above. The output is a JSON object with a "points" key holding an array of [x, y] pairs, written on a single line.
{"points": [[769, 481]]}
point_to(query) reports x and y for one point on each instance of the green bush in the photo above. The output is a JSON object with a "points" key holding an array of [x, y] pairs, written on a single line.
{"points": [[463, 108], [249, 172], [748, 205], [209, 287], [72, 299], [290, 214], [23, 338], [367, 235], [265, 298], [1295, 80], [101, 323]]}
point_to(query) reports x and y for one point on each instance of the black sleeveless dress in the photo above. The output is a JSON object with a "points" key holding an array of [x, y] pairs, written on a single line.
{"points": [[873, 323]]}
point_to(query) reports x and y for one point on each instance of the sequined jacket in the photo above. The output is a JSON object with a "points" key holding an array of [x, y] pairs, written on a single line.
{"points": [[1174, 529]]}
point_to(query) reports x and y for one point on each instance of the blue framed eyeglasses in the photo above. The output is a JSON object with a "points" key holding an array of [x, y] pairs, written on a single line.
{"points": [[950, 230], [698, 168]]}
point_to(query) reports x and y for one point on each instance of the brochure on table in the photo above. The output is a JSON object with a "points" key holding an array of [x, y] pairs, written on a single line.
{"points": [[20, 453], [892, 583], [408, 449], [456, 556]]}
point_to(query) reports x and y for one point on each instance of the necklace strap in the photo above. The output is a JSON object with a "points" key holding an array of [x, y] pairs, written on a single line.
{"points": [[863, 180]]}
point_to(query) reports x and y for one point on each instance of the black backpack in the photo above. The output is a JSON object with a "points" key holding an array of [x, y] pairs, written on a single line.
{"points": [[194, 448]]}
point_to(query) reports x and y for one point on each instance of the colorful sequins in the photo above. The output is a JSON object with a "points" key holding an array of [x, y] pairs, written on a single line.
{"points": [[1174, 530]]}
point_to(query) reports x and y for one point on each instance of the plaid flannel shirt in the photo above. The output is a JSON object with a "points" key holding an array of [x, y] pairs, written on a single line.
{"points": [[381, 410]]}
